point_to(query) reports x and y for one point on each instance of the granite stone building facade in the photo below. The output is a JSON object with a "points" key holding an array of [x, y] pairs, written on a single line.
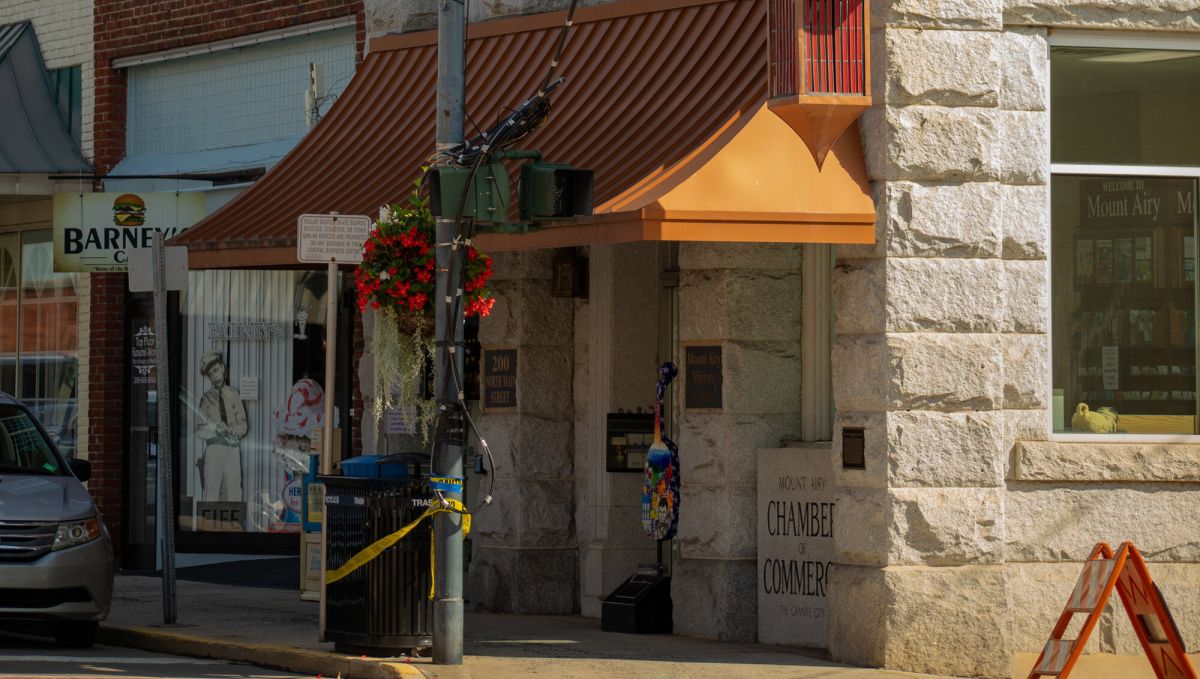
{"points": [[979, 506], [960, 539], [959, 342]]}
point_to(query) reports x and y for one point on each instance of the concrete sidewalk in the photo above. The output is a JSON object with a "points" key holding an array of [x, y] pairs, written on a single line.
{"points": [[273, 627]]}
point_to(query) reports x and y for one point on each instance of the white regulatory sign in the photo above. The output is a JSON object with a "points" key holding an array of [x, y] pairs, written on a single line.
{"points": [[328, 238]]}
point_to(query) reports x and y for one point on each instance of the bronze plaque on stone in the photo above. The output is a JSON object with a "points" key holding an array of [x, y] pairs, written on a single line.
{"points": [[703, 378], [854, 448], [499, 378]]}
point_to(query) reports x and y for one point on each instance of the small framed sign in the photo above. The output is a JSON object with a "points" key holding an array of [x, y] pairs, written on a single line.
{"points": [[499, 378], [395, 420], [629, 439], [703, 376], [248, 387]]}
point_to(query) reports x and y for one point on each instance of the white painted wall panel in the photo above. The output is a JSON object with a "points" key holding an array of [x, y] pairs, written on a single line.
{"points": [[233, 97]]}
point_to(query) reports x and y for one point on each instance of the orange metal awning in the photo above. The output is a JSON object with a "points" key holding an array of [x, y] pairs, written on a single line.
{"points": [[665, 101]]}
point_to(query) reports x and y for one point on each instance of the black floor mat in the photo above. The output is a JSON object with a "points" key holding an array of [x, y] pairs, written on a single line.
{"points": [[277, 573]]}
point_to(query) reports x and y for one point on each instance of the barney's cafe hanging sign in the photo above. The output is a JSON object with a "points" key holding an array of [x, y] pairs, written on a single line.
{"points": [[95, 231]]}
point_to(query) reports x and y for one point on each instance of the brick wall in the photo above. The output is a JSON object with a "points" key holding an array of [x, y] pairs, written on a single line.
{"points": [[64, 30], [83, 293], [106, 396], [127, 28]]}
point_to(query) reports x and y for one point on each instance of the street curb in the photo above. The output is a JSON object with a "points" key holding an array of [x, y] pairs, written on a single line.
{"points": [[267, 655]]}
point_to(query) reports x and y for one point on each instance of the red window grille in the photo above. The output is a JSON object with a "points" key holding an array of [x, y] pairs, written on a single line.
{"points": [[784, 48], [832, 45]]}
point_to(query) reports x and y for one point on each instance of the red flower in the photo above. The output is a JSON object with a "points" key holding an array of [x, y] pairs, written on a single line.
{"points": [[400, 248]]}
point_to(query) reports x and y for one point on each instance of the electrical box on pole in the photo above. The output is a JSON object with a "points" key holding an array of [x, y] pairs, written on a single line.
{"points": [[486, 200], [551, 191]]}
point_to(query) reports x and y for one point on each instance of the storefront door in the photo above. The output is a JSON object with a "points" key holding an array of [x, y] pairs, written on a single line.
{"points": [[141, 457]]}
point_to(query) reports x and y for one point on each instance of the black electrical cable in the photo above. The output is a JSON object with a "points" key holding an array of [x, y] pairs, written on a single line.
{"points": [[562, 44], [520, 123]]}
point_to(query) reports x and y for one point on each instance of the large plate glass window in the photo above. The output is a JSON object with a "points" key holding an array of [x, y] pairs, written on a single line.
{"points": [[39, 333], [253, 370], [1125, 147]]}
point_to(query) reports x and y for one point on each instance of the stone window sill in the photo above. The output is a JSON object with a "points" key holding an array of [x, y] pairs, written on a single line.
{"points": [[1116, 462]]}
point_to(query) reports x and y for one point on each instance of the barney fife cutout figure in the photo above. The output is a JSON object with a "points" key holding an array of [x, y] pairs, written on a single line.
{"points": [[222, 426]]}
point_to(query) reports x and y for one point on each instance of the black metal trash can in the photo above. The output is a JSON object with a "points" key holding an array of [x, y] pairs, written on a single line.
{"points": [[383, 608]]}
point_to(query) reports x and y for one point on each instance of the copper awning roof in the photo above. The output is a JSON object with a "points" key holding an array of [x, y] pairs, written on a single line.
{"points": [[659, 97]]}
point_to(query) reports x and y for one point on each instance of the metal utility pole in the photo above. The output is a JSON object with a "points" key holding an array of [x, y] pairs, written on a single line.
{"points": [[448, 452], [166, 485]]}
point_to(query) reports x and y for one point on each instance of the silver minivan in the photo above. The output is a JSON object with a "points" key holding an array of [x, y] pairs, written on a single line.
{"points": [[56, 559]]}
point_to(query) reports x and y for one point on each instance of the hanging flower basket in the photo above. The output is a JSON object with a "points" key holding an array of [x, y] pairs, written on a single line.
{"points": [[397, 279]]}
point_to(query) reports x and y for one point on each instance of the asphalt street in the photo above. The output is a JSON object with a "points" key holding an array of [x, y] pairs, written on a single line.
{"points": [[27, 656]]}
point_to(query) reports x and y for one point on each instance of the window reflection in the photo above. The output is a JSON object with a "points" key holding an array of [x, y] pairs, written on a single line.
{"points": [[47, 351], [9, 257]]}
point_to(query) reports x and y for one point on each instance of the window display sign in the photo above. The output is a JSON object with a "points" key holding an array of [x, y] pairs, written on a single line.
{"points": [[795, 545], [95, 231], [142, 355], [1131, 202]]}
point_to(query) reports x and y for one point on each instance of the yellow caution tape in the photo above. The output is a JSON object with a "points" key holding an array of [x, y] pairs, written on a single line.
{"points": [[376, 548]]}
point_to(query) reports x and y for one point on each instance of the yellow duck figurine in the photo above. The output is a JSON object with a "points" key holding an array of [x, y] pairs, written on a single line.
{"points": [[1100, 421]]}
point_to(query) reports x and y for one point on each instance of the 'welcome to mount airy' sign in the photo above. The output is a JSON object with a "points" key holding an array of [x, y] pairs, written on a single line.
{"points": [[95, 231], [1125, 202]]}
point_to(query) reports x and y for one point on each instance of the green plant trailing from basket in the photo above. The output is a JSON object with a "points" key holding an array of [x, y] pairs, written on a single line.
{"points": [[400, 360], [396, 279]]}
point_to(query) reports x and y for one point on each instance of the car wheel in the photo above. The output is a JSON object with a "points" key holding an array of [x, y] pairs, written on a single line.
{"points": [[76, 634]]}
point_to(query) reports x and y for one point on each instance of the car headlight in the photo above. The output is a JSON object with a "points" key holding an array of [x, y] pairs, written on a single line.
{"points": [[76, 533]]}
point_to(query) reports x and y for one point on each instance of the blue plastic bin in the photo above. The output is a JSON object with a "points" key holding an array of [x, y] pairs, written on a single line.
{"points": [[361, 467], [404, 466], [398, 466]]}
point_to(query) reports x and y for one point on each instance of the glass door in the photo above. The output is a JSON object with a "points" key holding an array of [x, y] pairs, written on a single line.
{"points": [[141, 461]]}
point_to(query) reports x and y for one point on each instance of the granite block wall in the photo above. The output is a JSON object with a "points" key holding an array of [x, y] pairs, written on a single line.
{"points": [[950, 539]]}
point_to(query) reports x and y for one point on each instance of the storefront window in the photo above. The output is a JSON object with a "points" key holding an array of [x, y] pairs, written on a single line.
{"points": [[252, 375], [10, 256], [1123, 240], [1124, 300], [39, 333]]}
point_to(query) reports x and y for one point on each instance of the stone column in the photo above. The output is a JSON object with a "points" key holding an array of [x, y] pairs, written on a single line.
{"points": [[747, 298], [941, 352], [524, 554]]}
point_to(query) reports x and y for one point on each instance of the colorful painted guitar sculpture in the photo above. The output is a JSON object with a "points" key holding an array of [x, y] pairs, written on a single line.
{"points": [[660, 490]]}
